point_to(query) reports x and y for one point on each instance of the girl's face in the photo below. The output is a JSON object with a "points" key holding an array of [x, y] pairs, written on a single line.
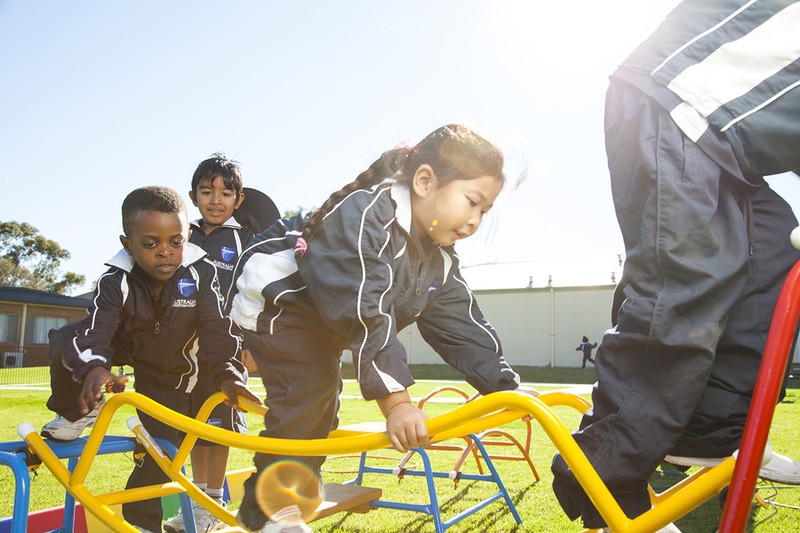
{"points": [[156, 240], [453, 211], [215, 202]]}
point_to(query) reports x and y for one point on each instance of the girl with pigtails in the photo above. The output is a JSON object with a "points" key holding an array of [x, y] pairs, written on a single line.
{"points": [[376, 257]]}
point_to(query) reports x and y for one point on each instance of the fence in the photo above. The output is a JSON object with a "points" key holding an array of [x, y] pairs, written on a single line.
{"points": [[29, 365]]}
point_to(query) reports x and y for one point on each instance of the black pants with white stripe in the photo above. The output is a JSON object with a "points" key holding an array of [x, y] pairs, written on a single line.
{"points": [[705, 257]]}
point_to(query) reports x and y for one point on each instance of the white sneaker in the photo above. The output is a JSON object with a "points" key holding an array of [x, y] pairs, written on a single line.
{"points": [[774, 466], [287, 520], [62, 429], [203, 520], [781, 469], [141, 529]]}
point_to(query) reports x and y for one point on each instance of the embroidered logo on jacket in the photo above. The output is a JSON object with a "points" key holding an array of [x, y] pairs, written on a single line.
{"points": [[433, 288], [228, 254], [186, 286]]}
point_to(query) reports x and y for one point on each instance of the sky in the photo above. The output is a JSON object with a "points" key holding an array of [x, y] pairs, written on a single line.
{"points": [[98, 98]]}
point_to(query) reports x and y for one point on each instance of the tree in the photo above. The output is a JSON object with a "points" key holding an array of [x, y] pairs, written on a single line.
{"points": [[28, 259], [296, 211]]}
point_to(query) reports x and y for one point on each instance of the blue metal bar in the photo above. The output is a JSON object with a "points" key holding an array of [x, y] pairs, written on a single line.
{"points": [[14, 453], [477, 507], [429, 474], [22, 490], [497, 479]]}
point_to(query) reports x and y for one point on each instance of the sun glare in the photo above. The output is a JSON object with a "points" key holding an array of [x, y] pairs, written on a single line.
{"points": [[574, 38]]}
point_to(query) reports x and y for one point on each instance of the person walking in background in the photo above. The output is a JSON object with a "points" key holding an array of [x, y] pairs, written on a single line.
{"points": [[586, 347]]}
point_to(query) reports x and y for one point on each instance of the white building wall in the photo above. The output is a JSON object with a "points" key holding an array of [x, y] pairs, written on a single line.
{"points": [[537, 327]]}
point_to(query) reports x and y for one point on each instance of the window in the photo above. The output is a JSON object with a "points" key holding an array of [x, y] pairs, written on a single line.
{"points": [[37, 327], [9, 327]]}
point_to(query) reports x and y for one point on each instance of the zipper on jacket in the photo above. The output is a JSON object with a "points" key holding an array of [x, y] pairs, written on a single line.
{"points": [[747, 211], [156, 317]]}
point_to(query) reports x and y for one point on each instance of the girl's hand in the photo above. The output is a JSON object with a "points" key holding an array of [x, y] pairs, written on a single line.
{"points": [[405, 423], [232, 388], [406, 428]]}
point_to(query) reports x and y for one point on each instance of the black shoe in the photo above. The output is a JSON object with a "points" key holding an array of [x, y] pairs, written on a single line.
{"points": [[250, 515]]}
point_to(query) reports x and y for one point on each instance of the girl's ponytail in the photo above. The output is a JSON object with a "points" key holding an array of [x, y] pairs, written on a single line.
{"points": [[385, 166], [453, 152]]}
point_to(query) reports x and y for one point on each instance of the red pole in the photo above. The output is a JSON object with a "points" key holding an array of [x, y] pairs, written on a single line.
{"points": [[762, 407]]}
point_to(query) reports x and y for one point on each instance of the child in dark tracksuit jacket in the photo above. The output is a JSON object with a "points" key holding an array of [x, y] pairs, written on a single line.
{"points": [[223, 246], [375, 258], [218, 194], [158, 308]]}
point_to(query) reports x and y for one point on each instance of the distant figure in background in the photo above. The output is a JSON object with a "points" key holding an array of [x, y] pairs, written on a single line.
{"points": [[586, 347]]}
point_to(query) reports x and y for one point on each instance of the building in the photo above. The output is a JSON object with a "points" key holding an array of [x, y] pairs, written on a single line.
{"points": [[26, 316], [538, 326], [540, 309]]}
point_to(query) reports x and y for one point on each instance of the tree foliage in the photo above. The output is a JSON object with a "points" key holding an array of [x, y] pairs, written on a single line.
{"points": [[28, 259], [289, 213]]}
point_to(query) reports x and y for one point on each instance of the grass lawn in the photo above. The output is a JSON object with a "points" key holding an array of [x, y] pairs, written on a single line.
{"points": [[535, 501]]}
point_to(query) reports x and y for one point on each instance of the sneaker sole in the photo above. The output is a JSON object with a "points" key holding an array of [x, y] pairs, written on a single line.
{"points": [[173, 530], [767, 476], [778, 479], [46, 434]]}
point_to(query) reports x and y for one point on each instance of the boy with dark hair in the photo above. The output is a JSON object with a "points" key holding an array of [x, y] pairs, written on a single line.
{"points": [[159, 309], [217, 193]]}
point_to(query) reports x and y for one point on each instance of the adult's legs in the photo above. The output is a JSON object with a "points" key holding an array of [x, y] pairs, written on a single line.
{"points": [[686, 265], [717, 424]]}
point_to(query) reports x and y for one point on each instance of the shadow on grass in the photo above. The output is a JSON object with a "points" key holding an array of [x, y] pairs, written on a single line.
{"points": [[698, 519]]}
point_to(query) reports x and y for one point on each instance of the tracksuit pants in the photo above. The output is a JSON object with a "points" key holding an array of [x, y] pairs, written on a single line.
{"points": [[146, 514], [300, 370], [705, 258]]}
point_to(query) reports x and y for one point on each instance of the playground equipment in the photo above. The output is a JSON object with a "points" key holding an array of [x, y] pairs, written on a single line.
{"points": [[432, 506], [473, 417], [490, 437], [476, 445], [20, 459]]}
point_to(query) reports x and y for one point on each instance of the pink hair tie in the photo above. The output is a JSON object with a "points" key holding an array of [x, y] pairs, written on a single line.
{"points": [[406, 147], [300, 247]]}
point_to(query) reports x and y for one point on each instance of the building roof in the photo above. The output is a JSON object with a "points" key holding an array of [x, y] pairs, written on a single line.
{"points": [[23, 295], [568, 272]]}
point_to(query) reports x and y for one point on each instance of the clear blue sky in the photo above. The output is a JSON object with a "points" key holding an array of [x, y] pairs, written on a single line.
{"points": [[98, 98]]}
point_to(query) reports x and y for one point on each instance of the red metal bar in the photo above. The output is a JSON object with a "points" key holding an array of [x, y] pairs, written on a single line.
{"points": [[762, 407]]}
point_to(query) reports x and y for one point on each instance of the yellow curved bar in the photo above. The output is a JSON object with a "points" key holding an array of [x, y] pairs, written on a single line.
{"points": [[486, 412], [482, 413], [182, 481], [102, 511]]}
